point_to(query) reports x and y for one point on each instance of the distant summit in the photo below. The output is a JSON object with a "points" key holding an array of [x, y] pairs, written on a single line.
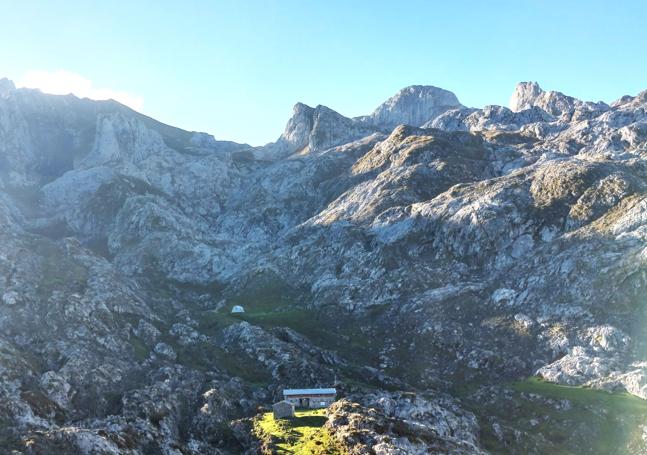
{"points": [[6, 86], [527, 95], [414, 105], [311, 129]]}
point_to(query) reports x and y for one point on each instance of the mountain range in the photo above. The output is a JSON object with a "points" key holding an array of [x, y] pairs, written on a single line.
{"points": [[472, 280]]}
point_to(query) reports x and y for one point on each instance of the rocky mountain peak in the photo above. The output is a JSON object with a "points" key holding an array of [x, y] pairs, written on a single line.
{"points": [[529, 94], [299, 126], [318, 128], [6, 86], [525, 96], [413, 105], [310, 129]]}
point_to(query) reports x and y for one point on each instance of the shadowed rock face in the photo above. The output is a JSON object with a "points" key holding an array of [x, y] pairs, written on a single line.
{"points": [[488, 246]]}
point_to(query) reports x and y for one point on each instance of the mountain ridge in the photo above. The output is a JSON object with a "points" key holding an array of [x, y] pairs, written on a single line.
{"points": [[423, 267]]}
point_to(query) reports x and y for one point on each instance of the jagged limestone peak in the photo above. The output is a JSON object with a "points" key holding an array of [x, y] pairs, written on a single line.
{"points": [[529, 94], [524, 96], [413, 105]]}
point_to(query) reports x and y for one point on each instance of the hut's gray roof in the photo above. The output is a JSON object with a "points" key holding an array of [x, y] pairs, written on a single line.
{"points": [[291, 392]]}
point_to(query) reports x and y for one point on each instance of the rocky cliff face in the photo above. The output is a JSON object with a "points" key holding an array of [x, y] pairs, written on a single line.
{"points": [[451, 257], [528, 95], [314, 129], [414, 105]]}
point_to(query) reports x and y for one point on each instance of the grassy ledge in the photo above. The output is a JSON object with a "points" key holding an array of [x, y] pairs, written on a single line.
{"points": [[302, 435]]}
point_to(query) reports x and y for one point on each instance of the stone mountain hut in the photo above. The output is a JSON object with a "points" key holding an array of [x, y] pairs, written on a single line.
{"points": [[283, 410], [310, 398]]}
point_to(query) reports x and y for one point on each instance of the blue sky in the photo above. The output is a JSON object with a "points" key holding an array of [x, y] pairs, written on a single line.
{"points": [[235, 68]]}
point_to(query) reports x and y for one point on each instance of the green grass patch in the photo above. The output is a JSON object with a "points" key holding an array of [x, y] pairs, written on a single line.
{"points": [[341, 336], [212, 321], [59, 272], [206, 357], [562, 419], [302, 435], [139, 347], [270, 303], [622, 403]]}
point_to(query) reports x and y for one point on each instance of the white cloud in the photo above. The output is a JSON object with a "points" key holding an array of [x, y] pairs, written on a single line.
{"points": [[63, 82]]}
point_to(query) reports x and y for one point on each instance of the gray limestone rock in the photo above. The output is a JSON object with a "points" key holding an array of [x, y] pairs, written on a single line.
{"points": [[467, 246]]}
